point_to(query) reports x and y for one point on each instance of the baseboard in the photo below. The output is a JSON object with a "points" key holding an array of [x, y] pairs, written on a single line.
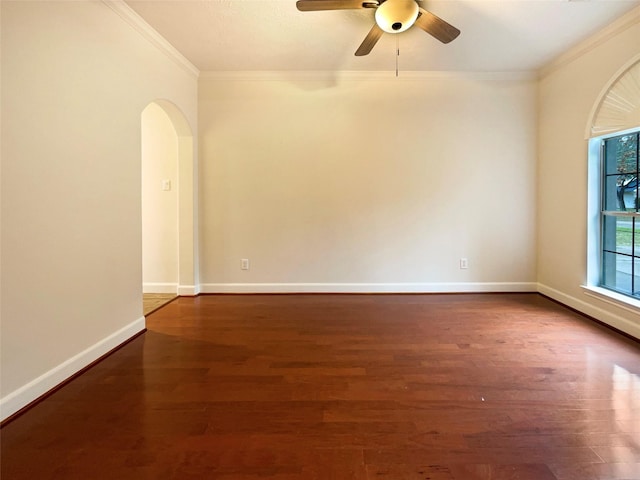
{"points": [[616, 321], [188, 290], [159, 288], [181, 290], [368, 287], [23, 396]]}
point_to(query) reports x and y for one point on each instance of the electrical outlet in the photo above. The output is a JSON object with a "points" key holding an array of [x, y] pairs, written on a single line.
{"points": [[244, 264], [464, 263]]}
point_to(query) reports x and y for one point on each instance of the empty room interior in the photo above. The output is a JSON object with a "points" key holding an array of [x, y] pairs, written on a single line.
{"points": [[397, 239]]}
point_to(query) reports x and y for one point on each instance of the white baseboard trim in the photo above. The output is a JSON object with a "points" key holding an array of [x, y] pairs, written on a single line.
{"points": [[368, 287], [188, 290], [159, 288], [616, 321], [23, 396]]}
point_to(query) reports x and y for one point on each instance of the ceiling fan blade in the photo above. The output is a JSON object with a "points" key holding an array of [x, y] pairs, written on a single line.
{"points": [[316, 5], [370, 40], [436, 27]]}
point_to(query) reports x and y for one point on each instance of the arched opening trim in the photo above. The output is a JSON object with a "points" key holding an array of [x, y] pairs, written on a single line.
{"points": [[187, 225]]}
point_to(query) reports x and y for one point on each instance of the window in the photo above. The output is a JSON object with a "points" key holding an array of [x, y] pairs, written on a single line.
{"points": [[620, 214]]}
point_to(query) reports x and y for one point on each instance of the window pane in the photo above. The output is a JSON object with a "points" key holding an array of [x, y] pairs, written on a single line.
{"points": [[636, 276], [620, 193], [618, 234], [621, 169], [616, 272], [620, 154], [620, 245]]}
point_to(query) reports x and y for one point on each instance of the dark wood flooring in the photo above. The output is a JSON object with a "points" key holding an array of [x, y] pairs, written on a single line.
{"points": [[389, 387]]}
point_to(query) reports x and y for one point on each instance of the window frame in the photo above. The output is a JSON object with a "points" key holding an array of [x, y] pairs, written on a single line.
{"points": [[633, 295]]}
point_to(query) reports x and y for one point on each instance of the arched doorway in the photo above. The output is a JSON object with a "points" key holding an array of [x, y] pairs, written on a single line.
{"points": [[168, 207]]}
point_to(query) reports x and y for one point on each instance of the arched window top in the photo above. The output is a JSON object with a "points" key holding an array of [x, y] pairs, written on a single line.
{"points": [[619, 105]]}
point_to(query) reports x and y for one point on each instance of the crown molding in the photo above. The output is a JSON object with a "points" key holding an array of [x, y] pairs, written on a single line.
{"points": [[628, 20], [147, 31], [335, 77]]}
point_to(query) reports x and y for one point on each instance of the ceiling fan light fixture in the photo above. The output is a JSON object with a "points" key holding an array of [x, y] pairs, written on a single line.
{"points": [[395, 16]]}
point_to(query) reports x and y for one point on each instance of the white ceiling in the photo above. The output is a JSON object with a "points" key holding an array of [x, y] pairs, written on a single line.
{"points": [[272, 35]]}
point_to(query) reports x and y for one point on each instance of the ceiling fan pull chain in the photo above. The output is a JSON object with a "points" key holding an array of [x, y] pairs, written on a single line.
{"points": [[397, 52]]}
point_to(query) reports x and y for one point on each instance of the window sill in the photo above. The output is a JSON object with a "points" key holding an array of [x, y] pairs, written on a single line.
{"points": [[617, 299]]}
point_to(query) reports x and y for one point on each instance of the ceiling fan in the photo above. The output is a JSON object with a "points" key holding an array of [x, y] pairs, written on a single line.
{"points": [[392, 16]]}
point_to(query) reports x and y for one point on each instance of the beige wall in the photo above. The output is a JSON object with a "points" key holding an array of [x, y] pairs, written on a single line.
{"points": [[75, 79], [159, 206], [348, 183], [567, 95], [367, 182]]}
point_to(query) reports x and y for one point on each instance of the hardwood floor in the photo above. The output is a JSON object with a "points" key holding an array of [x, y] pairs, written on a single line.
{"points": [[440, 387], [153, 301]]}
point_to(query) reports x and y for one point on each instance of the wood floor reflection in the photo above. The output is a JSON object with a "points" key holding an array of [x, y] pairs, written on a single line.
{"points": [[440, 387]]}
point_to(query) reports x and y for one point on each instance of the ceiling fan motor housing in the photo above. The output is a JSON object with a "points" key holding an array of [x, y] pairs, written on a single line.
{"points": [[395, 16]]}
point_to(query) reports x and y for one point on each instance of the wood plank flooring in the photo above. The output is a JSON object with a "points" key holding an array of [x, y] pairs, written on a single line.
{"points": [[283, 387], [153, 301]]}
